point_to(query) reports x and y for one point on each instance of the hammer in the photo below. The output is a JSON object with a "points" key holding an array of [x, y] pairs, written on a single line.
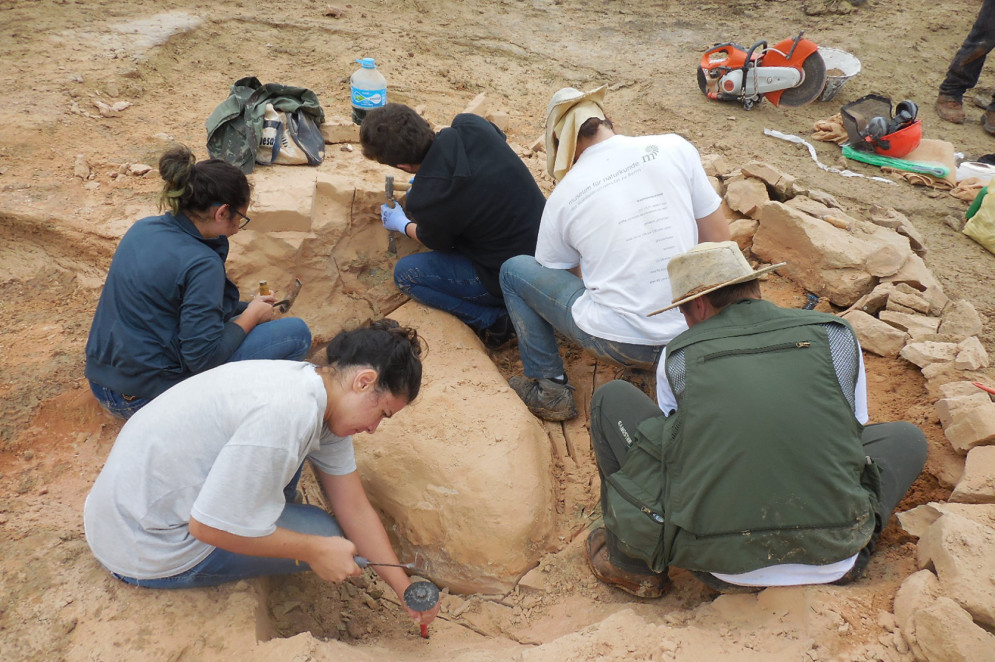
{"points": [[388, 187]]}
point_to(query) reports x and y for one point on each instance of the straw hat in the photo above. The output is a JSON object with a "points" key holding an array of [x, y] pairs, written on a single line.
{"points": [[561, 131], [707, 267]]}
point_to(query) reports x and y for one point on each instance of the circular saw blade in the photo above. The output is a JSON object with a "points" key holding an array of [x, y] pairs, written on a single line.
{"points": [[814, 81]]}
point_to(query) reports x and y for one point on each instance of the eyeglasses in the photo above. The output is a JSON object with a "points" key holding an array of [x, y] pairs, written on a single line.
{"points": [[246, 218]]}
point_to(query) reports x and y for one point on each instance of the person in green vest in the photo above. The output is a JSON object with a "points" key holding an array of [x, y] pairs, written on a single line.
{"points": [[755, 467]]}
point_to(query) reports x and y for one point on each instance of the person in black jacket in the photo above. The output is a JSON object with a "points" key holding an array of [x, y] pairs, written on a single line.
{"points": [[474, 203]]}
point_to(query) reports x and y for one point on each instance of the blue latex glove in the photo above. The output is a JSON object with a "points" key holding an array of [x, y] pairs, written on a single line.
{"points": [[393, 218]]}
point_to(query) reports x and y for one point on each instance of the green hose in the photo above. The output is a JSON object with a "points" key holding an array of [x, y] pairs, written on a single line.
{"points": [[934, 169]]}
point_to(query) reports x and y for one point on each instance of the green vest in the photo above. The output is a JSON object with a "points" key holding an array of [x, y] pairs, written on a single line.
{"points": [[762, 464]]}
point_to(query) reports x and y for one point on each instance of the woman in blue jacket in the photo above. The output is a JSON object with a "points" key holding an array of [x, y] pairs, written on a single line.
{"points": [[168, 310]]}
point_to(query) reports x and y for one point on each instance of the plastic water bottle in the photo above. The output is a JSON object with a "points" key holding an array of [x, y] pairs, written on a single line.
{"points": [[369, 89], [266, 152]]}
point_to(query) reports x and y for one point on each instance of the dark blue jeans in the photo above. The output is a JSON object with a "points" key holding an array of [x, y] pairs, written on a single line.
{"points": [[449, 282], [965, 69], [286, 338], [539, 302], [221, 566]]}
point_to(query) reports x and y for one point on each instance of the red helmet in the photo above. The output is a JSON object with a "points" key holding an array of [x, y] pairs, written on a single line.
{"points": [[898, 143]]}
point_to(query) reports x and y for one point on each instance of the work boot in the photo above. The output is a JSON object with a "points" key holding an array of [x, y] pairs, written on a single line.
{"points": [[652, 585], [950, 109], [547, 399], [988, 121], [498, 335]]}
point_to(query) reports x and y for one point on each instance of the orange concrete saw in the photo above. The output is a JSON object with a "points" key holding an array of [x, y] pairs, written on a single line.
{"points": [[789, 73]]}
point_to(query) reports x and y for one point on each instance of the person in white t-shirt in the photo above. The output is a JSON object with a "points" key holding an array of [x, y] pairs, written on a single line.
{"points": [[622, 207], [199, 488]]}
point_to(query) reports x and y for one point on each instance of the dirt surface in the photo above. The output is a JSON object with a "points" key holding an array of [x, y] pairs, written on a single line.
{"points": [[174, 61]]}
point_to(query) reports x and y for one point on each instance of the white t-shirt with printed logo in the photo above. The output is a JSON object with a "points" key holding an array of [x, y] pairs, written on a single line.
{"points": [[220, 447], [621, 213]]}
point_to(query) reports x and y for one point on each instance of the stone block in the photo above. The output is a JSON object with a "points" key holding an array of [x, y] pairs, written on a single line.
{"points": [[972, 427], [918, 591], [747, 196], [777, 181], [283, 198], [957, 389], [961, 318], [898, 222], [874, 301], [910, 297], [915, 273], [470, 496], [944, 632], [826, 260], [477, 106], [500, 119], [715, 165], [337, 130], [977, 485], [913, 324], [923, 354], [946, 408], [962, 552], [971, 355], [874, 335], [916, 521], [742, 230]]}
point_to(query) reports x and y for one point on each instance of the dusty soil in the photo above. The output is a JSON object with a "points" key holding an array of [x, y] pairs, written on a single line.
{"points": [[174, 61]]}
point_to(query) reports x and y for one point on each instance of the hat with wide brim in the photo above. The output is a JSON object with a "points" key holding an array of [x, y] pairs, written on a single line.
{"points": [[563, 100], [707, 267]]}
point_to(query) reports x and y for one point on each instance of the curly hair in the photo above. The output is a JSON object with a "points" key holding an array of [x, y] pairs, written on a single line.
{"points": [[394, 351], [395, 134]]}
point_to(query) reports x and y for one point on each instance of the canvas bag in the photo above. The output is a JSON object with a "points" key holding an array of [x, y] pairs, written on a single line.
{"points": [[290, 139]]}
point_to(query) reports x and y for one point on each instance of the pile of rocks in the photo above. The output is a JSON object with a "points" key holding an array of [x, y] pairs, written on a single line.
{"points": [[871, 265]]}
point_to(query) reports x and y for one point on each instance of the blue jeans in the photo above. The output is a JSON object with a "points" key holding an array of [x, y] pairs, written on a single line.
{"points": [[449, 282], [539, 301], [965, 69], [286, 338], [221, 566]]}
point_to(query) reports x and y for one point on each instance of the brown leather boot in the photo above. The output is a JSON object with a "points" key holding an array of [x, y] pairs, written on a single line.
{"points": [[988, 121], [653, 585], [950, 109]]}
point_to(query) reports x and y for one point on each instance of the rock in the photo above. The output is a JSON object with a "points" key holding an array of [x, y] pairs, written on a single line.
{"points": [[715, 165], [477, 106], [139, 169], [963, 553], [874, 301], [717, 185], [746, 196], [977, 485], [81, 168], [778, 182], [957, 389], [961, 318], [825, 260], [742, 230], [283, 199], [499, 118], [535, 579], [971, 355], [923, 354], [874, 335], [916, 521], [941, 373], [918, 591], [944, 632], [337, 129], [946, 408], [913, 324], [906, 295], [973, 427], [470, 496], [915, 273], [889, 218]]}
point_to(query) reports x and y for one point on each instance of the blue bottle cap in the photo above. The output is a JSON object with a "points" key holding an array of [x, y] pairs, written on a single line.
{"points": [[367, 62]]}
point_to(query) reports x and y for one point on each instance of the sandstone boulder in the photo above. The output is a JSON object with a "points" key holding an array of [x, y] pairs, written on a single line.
{"points": [[915, 273], [913, 324], [947, 408], [971, 354], [874, 335], [923, 354], [469, 494], [961, 318], [780, 183], [916, 521], [824, 259], [972, 427], [977, 485], [746, 196], [916, 593], [944, 632], [963, 553], [741, 231]]}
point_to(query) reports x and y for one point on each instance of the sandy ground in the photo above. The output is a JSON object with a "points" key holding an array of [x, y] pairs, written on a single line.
{"points": [[174, 61]]}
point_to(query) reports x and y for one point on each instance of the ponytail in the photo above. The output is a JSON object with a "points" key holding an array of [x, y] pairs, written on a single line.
{"points": [[192, 186]]}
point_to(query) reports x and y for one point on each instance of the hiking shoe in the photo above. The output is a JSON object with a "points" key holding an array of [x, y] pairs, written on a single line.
{"points": [[545, 398], [950, 109], [988, 121], [498, 335], [652, 585]]}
